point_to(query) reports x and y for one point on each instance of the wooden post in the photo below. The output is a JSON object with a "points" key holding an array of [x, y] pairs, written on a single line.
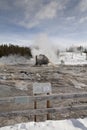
{"points": [[35, 107], [42, 88], [48, 106]]}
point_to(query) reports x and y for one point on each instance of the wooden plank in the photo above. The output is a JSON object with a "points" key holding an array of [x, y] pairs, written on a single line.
{"points": [[29, 99], [44, 111], [17, 99], [48, 106], [35, 107]]}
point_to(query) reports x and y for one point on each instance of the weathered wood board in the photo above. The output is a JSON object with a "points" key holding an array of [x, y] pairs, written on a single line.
{"points": [[29, 99], [44, 111]]}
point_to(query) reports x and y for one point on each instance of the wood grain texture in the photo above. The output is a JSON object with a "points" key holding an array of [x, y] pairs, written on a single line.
{"points": [[44, 111], [30, 99]]}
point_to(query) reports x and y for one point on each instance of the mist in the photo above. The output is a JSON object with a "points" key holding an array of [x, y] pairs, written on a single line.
{"points": [[43, 45]]}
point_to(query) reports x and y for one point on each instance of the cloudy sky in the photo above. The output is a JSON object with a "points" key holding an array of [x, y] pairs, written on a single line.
{"points": [[59, 20]]}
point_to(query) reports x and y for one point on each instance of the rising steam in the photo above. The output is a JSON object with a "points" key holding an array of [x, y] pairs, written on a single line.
{"points": [[43, 45]]}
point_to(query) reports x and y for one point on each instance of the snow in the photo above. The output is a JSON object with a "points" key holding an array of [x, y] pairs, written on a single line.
{"points": [[13, 59], [67, 58], [72, 58], [70, 124]]}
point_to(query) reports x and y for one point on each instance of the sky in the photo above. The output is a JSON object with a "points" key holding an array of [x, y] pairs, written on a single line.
{"points": [[60, 21]]}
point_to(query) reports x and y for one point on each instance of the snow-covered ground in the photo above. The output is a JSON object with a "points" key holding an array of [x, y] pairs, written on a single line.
{"points": [[67, 58], [72, 58], [71, 124], [15, 59]]}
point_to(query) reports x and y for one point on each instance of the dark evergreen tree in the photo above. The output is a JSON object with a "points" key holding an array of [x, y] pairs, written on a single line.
{"points": [[6, 50]]}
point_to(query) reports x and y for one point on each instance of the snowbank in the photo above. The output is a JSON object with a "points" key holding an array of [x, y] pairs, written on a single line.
{"points": [[72, 124]]}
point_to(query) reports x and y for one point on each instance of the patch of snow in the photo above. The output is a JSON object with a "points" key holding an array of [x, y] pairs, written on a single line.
{"points": [[71, 124], [72, 58]]}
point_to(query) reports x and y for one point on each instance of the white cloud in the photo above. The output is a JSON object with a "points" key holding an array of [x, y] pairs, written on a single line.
{"points": [[83, 5], [70, 18], [83, 19], [30, 13], [35, 12], [29, 9], [28, 24], [48, 11], [22, 39]]}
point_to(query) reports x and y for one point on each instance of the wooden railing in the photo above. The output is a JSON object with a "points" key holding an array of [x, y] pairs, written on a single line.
{"points": [[40, 98]]}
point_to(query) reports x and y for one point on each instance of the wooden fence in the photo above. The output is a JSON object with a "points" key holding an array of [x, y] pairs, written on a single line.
{"points": [[31, 99]]}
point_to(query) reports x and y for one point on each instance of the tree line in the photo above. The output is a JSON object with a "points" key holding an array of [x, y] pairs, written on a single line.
{"points": [[6, 50]]}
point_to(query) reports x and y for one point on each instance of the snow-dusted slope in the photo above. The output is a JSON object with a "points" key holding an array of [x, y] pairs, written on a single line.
{"points": [[73, 124], [72, 58]]}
